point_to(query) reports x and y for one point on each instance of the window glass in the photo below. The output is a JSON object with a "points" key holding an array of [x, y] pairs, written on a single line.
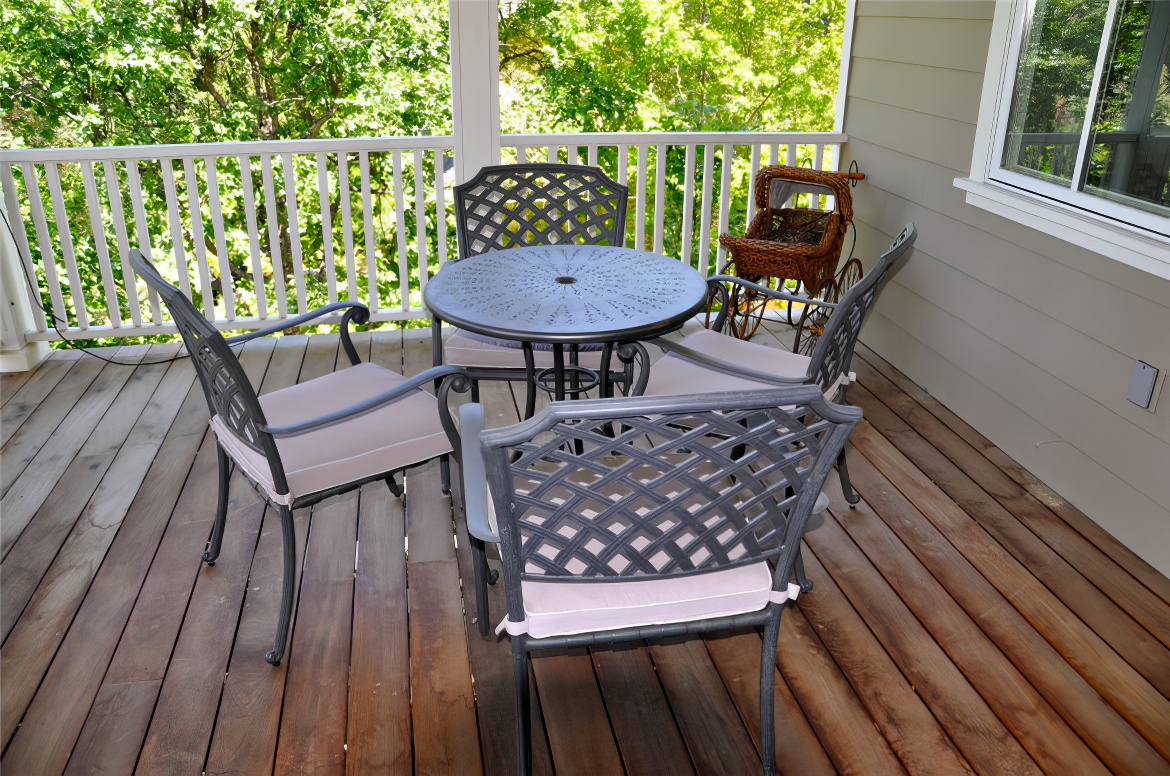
{"points": [[1052, 85], [1130, 156]]}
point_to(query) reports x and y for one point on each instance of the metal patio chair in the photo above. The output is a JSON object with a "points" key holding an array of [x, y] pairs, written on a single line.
{"points": [[709, 361], [303, 444], [517, 205], [647, 517]]}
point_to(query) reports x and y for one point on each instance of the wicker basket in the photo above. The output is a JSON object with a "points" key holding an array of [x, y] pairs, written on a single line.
{"points": [[789, 242]]}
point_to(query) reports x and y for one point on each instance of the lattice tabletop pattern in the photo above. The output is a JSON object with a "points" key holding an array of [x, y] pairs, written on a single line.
{"points": [[567, 294]]}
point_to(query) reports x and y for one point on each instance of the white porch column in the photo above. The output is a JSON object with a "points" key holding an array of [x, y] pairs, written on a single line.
{"points": [[17, 354], [475, 85]]}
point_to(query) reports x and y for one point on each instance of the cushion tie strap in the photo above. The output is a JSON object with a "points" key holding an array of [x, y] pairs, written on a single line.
{"points": [[515, 628], [783, 596]]}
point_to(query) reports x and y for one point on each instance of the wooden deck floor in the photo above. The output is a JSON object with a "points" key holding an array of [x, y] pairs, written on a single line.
{"points": [[965, 618]]}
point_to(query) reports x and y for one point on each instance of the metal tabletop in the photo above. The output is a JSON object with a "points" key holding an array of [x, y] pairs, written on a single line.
{"points": [[568, 294]]}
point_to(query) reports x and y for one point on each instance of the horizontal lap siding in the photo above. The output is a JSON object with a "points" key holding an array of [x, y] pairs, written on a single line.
{"points": [[1027, 337]]}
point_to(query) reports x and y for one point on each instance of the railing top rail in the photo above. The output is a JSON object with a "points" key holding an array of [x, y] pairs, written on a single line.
{"points": [[428, 142], [242, 148], [674, 138]]}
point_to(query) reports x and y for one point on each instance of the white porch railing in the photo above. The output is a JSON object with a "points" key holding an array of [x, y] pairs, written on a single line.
{"points": [[260, 231]]}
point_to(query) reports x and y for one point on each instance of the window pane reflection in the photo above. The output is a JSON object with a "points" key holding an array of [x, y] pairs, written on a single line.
{"points": [[1130, 159], [1053, 80]]}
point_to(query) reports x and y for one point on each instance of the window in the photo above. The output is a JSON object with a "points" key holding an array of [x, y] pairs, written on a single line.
{"points": [[1076, 118]]}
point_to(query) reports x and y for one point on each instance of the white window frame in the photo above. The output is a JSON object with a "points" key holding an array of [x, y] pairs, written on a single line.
{"points": [[1129, 235]]}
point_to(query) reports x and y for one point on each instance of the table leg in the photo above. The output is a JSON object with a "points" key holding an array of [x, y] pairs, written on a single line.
{"points": [[574, 375], [559, 372], [530, 380], [606, 386]]}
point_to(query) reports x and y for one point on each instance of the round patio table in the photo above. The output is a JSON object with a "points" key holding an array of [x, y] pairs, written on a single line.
{"points": [[566, 296]]}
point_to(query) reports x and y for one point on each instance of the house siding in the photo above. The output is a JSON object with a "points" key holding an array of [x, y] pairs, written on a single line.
{"points": [[1028, 338]]}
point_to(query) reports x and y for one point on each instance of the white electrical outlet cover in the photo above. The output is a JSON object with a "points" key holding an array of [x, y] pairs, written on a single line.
{"points": [[1141, 384]]}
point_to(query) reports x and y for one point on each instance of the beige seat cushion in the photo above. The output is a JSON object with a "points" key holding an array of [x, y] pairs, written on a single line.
{"points": [[391, 437], [464, 350], [561, 608], [673, 374]]}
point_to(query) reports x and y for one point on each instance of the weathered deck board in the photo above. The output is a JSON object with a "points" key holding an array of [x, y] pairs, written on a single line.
{"points": [[939, 638], [1069, 514]]}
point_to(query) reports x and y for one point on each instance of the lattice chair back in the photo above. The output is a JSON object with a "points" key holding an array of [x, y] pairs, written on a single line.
{"points": [[514, 205], [654, 487], [230, 396], [834, 350]]}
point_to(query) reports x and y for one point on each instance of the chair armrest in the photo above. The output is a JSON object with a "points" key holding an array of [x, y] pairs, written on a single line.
{"points": [[399, 391], [355, 312], [739, 371], [475, 492], [769, 291]]}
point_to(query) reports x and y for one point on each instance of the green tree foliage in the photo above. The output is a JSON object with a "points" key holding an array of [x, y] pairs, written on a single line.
{"points": [[670, 65], [97, 72]]}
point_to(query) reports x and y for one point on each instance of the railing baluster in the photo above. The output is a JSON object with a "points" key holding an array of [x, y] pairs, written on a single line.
{"points": [[142, 230], [326, 227], [660, 157], [593, 156], [65, 239], [294, 232], [272, 220], [724, 200], [623, 173], [818, 164], [688, 206], [775, 160], [572, 157], [98, 230], [198, 240], [521, 154], [226, 286], [640, 199], [705, 222], [420, 219], [751, 197], [253, 235], [441, 204], [368, 232], [118, 216], [49, 263], [176, 223], [400, 232], [16, 221], [347, 223]]}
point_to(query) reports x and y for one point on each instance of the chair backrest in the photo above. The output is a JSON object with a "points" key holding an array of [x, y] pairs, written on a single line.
{"points": [[229, 394], [514, 205], [660, 486], [834, 350]]}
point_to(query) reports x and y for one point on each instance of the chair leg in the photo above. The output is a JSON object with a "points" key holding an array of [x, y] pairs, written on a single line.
{"points": [[768, 693], [523, 711], [846, 488], [445, 474], [395, 488], [286, 596], [802, 579], [213, 545], [480, 568]]}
